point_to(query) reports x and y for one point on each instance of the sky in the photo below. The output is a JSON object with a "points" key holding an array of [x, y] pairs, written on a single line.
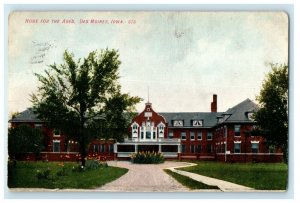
{"points": [[183, 58]]}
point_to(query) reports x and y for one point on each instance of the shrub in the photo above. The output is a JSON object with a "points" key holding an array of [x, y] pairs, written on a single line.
{"points": [[147, 158], [78, 168], [92, 164], [62, 172], [43, 174]]}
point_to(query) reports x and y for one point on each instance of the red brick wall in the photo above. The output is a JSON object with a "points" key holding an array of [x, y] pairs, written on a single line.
{"points": [[188, 142]]}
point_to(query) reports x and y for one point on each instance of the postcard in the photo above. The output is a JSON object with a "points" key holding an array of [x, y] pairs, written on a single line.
{"points": [[147, 101]]}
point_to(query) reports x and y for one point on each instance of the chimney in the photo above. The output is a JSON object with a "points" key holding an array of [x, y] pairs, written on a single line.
{"points": [[214, 104]]}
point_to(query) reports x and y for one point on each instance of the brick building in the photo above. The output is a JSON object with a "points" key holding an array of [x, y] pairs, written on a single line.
{"points": [[223, 136]]}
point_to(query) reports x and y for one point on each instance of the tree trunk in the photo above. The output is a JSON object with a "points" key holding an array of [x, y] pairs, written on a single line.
{"points": [[82, 141]]}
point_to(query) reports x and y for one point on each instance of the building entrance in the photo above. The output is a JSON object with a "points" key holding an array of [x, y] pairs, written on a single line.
{"points": [[150, 148]]}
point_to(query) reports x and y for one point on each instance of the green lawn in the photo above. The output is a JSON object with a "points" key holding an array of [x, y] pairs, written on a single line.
{"points": [[24, 176], [262, 176], [188, 182]]}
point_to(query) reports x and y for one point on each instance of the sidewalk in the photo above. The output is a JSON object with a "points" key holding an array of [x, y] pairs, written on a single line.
{"points": [[223, 185]]}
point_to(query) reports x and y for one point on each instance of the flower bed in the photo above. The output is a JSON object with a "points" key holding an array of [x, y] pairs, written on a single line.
{"points": [[147, 157]]}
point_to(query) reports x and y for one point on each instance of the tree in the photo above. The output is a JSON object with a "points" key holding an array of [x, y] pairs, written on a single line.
{"points": [[272, 117], [73, 95], [117, 121], [23, 139]]}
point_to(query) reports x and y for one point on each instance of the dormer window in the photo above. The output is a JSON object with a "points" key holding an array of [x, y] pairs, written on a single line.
{"points": [[197, 123], [178, 123], [250, 116]]}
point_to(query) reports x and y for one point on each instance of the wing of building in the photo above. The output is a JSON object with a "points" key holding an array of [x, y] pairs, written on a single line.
{"points": [[223, 136]]}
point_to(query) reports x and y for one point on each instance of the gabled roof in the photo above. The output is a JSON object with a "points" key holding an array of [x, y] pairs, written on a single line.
{"points": [[239, 113], [26, 116], [209, 118]]}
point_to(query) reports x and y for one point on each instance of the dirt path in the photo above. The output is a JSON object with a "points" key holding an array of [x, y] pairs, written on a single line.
{"points": [[145, 178]]}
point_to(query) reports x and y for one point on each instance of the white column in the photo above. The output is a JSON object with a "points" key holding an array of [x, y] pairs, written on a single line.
{"points": [[115, 148], [135, 148], [179, 148], [159, 148]]}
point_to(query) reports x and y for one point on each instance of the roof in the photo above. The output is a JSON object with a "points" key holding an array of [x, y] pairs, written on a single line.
{"points": [[239, 113], [209, 118], [26, 116]]}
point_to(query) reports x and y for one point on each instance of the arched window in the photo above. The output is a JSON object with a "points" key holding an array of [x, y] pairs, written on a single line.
{"points": [[134, 127], [161, 128]]}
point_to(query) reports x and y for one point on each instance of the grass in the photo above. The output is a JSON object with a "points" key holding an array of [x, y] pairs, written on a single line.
{"points": [[262, 176], [188, 182], [24, 176]]}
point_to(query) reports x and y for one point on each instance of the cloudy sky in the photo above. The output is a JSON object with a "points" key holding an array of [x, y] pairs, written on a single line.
{"points": [[182, 57]]}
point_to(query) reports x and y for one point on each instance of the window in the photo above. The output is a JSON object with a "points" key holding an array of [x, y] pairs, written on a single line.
{"points": [[182, 148], [237, 130], [170, 136], [192, 135], [96, 148], [134, 127], [103, 148], [178, 123], [111, 148], [183, 135], [154, 135], [209, 148], [199, 135], [199, 148], [56, 133], [142, 135], [160, 129], [254, 147], [237, 147], [56, 146], [148, 135], [192, 149], [209, 136]]}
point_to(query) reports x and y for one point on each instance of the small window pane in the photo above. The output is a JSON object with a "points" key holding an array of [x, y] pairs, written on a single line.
{"points": [[209, 136], [254, 147], [237, 147], [56, 146], [103, 148], [199, 135], [192, 134], [192, 148], [183, 135], [209, 148], [199, 148], [237, 130], [111, 148], [96, 148], [170, 134]]}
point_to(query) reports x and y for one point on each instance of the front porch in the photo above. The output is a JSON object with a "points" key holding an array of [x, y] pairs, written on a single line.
{"points": [[170, 148]]}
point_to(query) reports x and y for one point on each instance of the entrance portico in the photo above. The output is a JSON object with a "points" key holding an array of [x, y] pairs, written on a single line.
{"points": [[170, 148]]}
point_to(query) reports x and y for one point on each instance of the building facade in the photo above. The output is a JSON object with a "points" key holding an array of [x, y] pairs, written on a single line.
{"points": [[222, 136]]}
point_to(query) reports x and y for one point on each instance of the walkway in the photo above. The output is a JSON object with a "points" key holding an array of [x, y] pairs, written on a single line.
{"points": [[223, 185], [145, 178]]}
